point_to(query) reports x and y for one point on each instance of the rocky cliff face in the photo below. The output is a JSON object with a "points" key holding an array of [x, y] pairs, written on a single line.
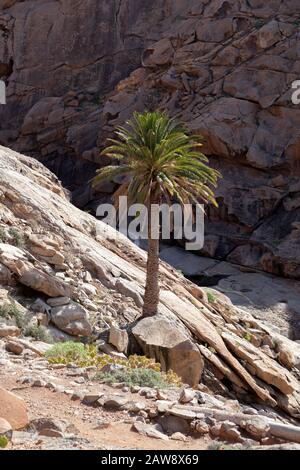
{"points": [[59, 58], [225, 67]]}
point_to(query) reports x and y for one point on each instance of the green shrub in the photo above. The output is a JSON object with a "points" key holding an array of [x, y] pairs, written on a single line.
{"points": [[211, 298], [248, 336], [259, 23], [17, 237], [138, 368], [10, 312], [39, 333], [3, 442], [67, 352], [141, 377], [3, 235]]}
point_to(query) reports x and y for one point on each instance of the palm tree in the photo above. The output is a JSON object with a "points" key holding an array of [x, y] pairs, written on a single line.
{"points": [[161, 161]]}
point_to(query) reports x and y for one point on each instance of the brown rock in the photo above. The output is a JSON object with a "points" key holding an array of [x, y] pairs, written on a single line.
{"points": [[5, 428], [13, 409], [118, 338], [14, 347], [149, 430], [8, 330], [161, 340]]}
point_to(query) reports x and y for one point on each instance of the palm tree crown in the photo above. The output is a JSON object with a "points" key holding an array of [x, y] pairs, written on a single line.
{"points": [[159, 156], [161, 161]]}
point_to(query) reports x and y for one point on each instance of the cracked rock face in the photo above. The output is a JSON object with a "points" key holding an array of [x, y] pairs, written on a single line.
{"points": [[59, 59], [74, 70]]}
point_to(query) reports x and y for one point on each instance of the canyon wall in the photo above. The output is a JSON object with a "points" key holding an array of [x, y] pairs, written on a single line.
{"points": [[75, 69]]}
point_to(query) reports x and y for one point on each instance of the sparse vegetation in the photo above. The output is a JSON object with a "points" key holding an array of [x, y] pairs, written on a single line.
{"points": [[12, 315], [39, 333], [3, 442], [211, 298], [12, 236], [17, 238], [259, 23], [87, 355], [248, 337], [221, 446], [67, 352], [142, 377], [3, 235]]}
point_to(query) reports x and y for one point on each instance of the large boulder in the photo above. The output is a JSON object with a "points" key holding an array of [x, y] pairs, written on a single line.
{"points": [[13, 409], [163, 341], [72, 319]]}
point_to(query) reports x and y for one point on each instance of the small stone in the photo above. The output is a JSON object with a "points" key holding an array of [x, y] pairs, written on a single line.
{"points": [[161, 395], [116, 402], [87, 277], [143, 391], [14, 347], [51, 433], [186, 395], [59, 388], [40, 306], [77, 396], [257, 426], [135, 406], [201, 427], [151, 394], [39, 383], [26, 380], [79, 380], [250, 411], [227, 431], [50, 385], [92, 398], [149, 430], [58, 301], [110, 350], [89, 289], [49, 427], [178, 436], [116, 384], [102, 424]]}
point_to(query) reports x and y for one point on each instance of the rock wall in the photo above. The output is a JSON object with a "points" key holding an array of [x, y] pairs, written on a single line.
{"points": [[59, 58], [225, 67]]}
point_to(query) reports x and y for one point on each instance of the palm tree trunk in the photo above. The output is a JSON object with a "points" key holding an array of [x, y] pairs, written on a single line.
{"points": [[151, 297]]}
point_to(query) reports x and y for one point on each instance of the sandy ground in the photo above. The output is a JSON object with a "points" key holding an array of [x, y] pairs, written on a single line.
{"points": [[46, 403]]}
